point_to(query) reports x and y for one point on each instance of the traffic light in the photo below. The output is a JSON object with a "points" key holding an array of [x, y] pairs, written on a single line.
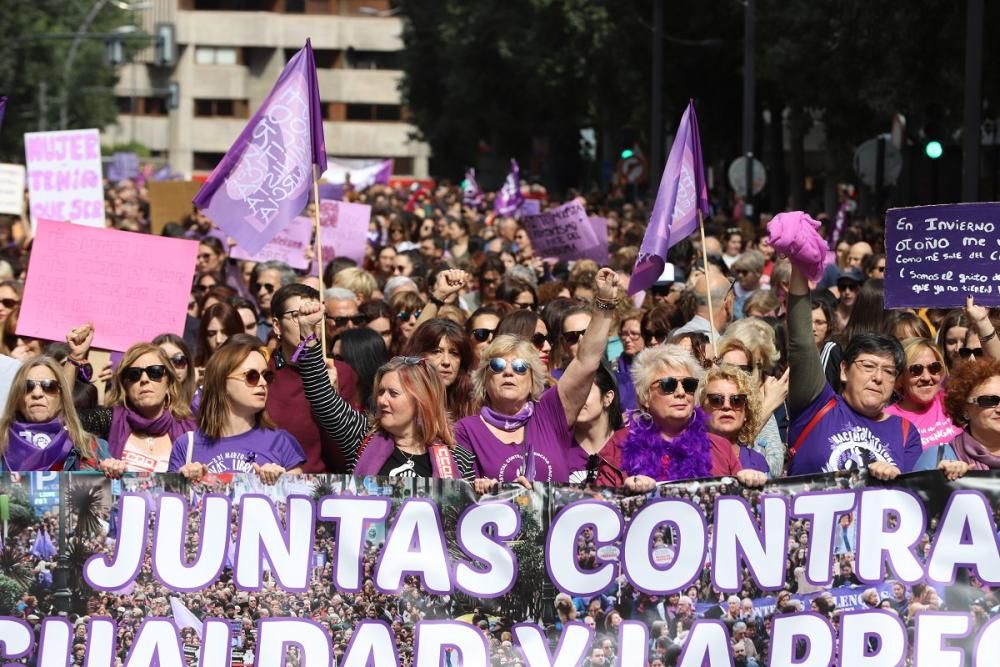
{"points": [[627, 153], [933, 149]]}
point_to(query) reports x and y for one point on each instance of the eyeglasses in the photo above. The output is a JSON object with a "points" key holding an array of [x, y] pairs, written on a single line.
{"points": [[524, 306], [133, 374], [934, 368], [539, 340], [404, 316], [499, 365], [268, 287], [50, 387], [572, 337], [630, 334], [966, 352], [341, 321], [483, 335], [179, 361], [9, 303], [735, 401], [656, 336], [668, 386], [852, 286], [985, 401], [870, 368], [253, 377]]}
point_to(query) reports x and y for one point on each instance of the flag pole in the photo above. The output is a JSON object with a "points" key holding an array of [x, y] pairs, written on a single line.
{"points": [[708, 283], [319, 256]]}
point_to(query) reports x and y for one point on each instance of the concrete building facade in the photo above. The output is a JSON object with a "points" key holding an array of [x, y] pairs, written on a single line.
{"points": [[228, 55]]}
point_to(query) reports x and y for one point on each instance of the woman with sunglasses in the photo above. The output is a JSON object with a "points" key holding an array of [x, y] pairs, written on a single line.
{"points": [[10, 297], [211, 255], [517, 292], [921, 390], [180, 361], [40, 429], [480, 327], [447, 349], [972, 400], [523, 430], [407, 307], [530, 326], [146, 411], [235, 433], [566, 326], [669, 440], [732, 401]]}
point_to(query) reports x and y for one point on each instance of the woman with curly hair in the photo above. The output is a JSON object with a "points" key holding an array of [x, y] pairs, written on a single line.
{"points": [[732, 401]]}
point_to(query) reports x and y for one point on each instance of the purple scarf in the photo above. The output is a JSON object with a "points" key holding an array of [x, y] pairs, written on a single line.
{"points": [[125, 422], [970, 450], [508, 423], [377, 449], [688, 456], [41, 446]]}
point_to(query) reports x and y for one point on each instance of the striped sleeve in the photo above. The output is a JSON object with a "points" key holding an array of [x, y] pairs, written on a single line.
{"points": [[466, 462], [345, 425]]}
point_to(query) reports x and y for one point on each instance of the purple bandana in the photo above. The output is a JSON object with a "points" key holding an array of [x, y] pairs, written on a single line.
{"points": [[688, 456], [125, 422], [508, 423], [36, 447]]}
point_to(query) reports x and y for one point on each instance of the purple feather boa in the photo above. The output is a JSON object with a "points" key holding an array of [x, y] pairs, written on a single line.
{"points": [[688, 456]]}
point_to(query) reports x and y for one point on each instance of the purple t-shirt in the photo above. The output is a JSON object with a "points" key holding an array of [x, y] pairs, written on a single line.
{"points": [[842, 439], [238, 453], [546, 434], [753, 460]]}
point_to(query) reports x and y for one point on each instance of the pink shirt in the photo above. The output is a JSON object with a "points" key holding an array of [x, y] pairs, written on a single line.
{"points": [[933, 424]]}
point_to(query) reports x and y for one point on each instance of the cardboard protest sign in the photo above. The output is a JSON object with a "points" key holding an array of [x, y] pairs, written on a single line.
{"points": [[166, 561], [936, 255], [288, 246], [563, 233], [64, 176], [133, 287], [344, 229], [12, 189], [170, 201]]}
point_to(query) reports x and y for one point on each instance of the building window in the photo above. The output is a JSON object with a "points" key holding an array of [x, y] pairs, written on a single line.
{"points": [[144, 106], [221, 108], [325, 58], [216, 55], [207, 161], [375, 112], [355, 59]]}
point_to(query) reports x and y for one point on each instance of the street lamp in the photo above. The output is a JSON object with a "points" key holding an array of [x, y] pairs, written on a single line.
{"points": [[60, 576]]}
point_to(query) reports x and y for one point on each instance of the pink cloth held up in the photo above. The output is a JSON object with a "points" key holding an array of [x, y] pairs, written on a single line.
{"points": [[794, 234]]}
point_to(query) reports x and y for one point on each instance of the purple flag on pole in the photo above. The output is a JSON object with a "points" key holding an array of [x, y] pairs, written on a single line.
{"points": [[472, 194], [263, 181], [509, 200], [681, 196], [3, 108]]}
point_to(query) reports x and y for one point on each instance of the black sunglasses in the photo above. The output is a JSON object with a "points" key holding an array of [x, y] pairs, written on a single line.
{"points": [[404, 315], [966, 352], [572, 337], [483, 335], [736, 401], [133, 374], [253, 376], [934, 368], [267, 286], [985, 401], [669, 385], [525, 306], [539, 340], [9, 303], [342, 320], [854, 287], [179, 361], [50, 387], [655, 336]]}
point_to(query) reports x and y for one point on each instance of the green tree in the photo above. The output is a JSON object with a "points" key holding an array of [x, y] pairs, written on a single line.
{"points": [[10, 593]]}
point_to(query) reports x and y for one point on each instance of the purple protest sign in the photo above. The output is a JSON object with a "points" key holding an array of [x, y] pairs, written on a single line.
{"points": [[288, 246], [264, 180], [937, 255], [344, 228], [564, 233]]}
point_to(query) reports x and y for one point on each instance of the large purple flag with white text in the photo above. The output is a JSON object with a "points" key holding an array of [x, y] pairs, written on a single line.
{"points": [[263, 182], [510, 199], [681, 195]]}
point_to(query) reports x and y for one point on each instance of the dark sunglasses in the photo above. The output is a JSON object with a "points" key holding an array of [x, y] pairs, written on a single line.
{"points": [[404, 316], [572, 337], [934, 368], [854, 287], [267, 286], [179, 361], [341, 321], [669, 385], [525, 306], [519, 366], [985, 401], [655, 336], [966, 352], [253, 376], [9, 303], [736, 401], [660, 290], [539, 340], [133, 374], [483, 335], [50, 387], [483, 282], [198, 289]]}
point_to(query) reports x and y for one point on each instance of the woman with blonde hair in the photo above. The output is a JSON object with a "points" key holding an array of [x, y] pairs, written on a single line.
{"points": [[732, 402], [921, 390], [40, 429], [235, 433], [359, 281]]}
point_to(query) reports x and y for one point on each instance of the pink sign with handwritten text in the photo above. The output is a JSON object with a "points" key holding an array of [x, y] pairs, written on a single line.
{"points": [[64, 176]]}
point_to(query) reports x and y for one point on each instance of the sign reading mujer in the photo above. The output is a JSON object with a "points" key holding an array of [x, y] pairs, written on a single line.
{"points": [[807, 571]]}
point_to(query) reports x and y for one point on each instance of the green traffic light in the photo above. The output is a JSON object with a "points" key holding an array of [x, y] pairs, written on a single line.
{"points": [[934, 149], [627, 153]]}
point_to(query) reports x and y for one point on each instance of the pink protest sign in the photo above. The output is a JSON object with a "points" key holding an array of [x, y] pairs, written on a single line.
{"points": [[64, 176], [288, 246], [564, 233], [133, 287], [345, 229]]}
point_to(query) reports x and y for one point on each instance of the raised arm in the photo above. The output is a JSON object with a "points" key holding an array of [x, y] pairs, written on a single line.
{"points": [[447, 285], [806, 377], [574, 385], [980, 319]]}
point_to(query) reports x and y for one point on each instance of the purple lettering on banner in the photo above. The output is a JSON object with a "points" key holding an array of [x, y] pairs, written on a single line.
{"points": [[937, 255], [64, 176], [564, 233]]}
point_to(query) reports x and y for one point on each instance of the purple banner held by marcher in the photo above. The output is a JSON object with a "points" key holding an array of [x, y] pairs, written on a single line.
{"points": [[564, 233], [3, 108], [937, 255], [264, 181], [681, 195], [122, 166], [510, 198]]}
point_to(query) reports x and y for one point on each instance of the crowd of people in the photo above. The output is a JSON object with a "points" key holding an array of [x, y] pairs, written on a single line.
{"points": [[455, 351]]}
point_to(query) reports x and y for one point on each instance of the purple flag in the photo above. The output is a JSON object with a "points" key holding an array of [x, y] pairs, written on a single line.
{"points": [[472, 194], [681, 196], [3, 108], [510, 199], [263, 181]]}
